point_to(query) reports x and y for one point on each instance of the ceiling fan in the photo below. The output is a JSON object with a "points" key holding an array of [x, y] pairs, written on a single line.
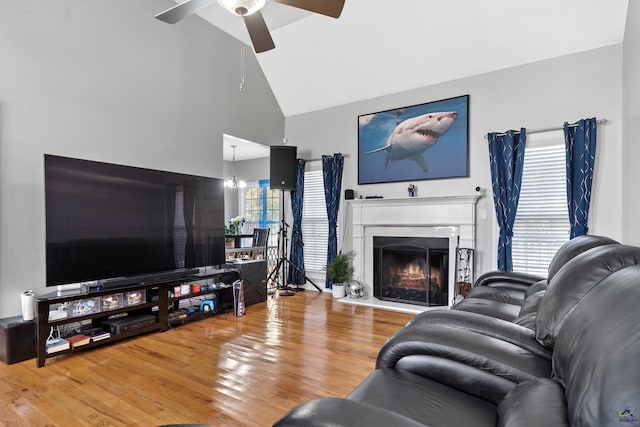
{"points": [[250, 11]]}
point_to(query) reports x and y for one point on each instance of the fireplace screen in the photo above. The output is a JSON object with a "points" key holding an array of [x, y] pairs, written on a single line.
{"points": [[411, 270]]}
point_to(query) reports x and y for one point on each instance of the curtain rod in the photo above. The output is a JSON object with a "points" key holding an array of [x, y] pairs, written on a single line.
{"points": [[600, 122]]}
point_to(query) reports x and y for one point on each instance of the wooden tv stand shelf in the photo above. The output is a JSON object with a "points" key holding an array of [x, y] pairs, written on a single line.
{"points": [[144, 299]]}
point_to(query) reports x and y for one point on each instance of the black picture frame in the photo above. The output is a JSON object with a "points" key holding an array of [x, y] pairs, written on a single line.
{"points": [[415, 143]]}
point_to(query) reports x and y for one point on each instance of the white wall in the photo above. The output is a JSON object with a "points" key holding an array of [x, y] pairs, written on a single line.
{"points": [[537, 95], [631, 131], [105, 81]]}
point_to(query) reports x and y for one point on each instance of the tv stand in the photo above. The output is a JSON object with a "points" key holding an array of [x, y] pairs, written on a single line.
{"points": [[180, 274], [152, 298]]}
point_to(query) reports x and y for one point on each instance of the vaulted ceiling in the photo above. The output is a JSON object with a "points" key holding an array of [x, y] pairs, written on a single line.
{"points": [[378, 47]]}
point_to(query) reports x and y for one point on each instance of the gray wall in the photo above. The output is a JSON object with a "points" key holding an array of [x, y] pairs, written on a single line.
{"points": [[248, 170], [105, 81], [631, 130], [537, 95]]}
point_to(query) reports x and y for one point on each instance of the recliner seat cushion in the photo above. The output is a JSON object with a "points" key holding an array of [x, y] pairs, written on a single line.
{"points": [[336, 412], [510, 296], [499, 310], [428, 402], [537, 403]]}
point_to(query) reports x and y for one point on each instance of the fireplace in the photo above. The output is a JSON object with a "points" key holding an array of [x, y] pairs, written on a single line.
{"points": [[451, 218], [411, 270]]}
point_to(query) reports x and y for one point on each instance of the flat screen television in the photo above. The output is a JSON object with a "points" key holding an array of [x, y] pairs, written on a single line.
{"points": [[114, 224]]}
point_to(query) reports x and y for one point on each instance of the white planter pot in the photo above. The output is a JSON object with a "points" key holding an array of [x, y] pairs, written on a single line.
{"points": [[338, 290]]}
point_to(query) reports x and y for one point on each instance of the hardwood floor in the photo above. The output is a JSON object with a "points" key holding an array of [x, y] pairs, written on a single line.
{"points": [[220, 371]]}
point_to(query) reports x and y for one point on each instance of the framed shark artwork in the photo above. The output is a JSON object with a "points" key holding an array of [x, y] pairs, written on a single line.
{"points": [[419, 142]]}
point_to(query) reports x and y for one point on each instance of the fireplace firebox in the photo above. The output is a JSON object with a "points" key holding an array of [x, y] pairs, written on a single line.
{"points": [[413, 270]]}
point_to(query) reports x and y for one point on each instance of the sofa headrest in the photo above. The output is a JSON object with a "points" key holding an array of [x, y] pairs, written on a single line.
{"points": [[574, 281], [574, 247], [597, 353]]}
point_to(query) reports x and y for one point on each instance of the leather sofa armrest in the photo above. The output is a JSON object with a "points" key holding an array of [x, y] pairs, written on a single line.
{"points": [[337, 412], [439, 352], [504, 278], [486, 325]]}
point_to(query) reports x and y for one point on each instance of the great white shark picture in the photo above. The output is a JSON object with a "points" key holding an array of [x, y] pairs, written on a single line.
{"points": [[418, 142], [412, 137]]}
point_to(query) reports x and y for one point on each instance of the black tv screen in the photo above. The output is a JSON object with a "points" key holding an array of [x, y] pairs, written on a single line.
{"points": [[107, 221]]}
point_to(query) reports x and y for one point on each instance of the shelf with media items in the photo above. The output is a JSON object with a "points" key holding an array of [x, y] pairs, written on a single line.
{"points": [[77, 320], [193, 300]]}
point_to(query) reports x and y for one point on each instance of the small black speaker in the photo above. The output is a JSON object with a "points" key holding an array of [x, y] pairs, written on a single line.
{"points": [[17, 339], [349, 194], [283, 167]]}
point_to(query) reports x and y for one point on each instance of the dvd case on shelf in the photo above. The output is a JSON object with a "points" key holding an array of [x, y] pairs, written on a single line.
{"points": [[112, 301], [139, 296], [82, 307]]}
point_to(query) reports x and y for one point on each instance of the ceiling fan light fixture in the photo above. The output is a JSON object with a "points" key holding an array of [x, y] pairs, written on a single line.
{"points": [[242, 7]]}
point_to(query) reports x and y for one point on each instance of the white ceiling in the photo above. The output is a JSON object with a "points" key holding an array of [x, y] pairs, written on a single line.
{"points": [[380, 47], [245, 150]]}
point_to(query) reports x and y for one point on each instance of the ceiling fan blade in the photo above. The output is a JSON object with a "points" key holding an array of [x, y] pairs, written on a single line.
{"points": [[259, 32], [332, 8], [182, 10]]}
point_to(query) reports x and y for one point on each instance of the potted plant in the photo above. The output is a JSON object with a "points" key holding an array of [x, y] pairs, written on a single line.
{"points": [[340, 271]]}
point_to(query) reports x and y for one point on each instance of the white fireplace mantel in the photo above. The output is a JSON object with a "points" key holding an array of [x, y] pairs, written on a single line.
{"points": [[452, 217]]}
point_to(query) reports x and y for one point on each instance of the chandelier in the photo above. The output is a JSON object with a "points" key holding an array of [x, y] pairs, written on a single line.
{"points": [[233, 182]]}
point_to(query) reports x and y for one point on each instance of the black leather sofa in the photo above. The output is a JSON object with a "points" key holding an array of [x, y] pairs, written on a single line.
{"points": [[502, 294], [577, 366]]}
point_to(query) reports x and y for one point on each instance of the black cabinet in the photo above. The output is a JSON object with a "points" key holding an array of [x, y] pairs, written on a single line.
{"points": [[254, 279]]}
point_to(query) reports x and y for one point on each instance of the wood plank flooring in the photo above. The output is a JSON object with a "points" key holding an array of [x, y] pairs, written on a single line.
{"points": [[220, 371]]}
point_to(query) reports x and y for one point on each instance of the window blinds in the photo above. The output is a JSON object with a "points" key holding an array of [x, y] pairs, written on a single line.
{"points": [[542, 222], [314, 222]]}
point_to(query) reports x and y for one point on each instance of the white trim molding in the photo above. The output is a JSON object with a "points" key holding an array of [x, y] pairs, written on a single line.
{"points": [[452, 217]]}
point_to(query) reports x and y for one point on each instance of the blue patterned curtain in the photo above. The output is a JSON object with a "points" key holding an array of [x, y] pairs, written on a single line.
{"points": [[580, 141], [332, 174], [296, 251], [506, 156]]}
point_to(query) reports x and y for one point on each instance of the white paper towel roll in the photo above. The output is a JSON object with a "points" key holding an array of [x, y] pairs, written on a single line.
{"points": [[26, 298]]}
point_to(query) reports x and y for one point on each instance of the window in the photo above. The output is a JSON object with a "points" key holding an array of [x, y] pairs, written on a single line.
{"points": [[542, 221], [260, 206], [315, 231]]}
